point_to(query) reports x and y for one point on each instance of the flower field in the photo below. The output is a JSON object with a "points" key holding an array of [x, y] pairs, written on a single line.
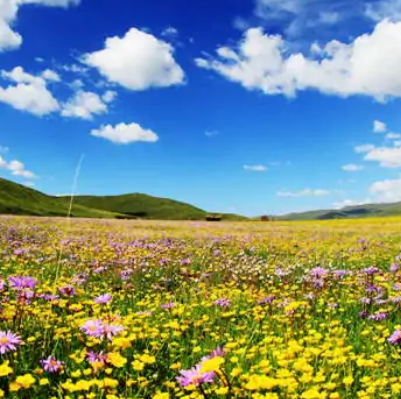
{"points": [[112, 309]]}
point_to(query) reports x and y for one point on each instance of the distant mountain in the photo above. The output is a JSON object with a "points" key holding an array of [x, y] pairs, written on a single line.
{"points": [[16, 199], [349, 212]]}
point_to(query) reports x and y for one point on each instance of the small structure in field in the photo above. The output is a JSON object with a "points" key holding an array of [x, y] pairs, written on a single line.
{"points": [[213, 218], [265, 218]]}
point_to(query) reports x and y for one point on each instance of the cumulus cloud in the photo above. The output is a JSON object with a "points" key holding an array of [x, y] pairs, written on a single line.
{"points": [[383, 9], [352, 168], [137, 61], [28, 92], [387, 190], [304, 193], [86, 104], [351, 202], [386, 156], [9, 38], [393, 136], [125, 133], [16, 168], [379, 127], [369, 65], [255, 168]]}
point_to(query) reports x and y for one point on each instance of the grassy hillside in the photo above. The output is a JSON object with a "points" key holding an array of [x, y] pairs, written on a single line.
{"points": [[143, 206], [16, 199], [349, 212]]}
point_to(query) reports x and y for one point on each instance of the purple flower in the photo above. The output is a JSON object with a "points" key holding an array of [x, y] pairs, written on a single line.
{"points": [[49, 297], [223, 302], [396, 299], [318, 272], [110, 330], [93, 357], [370, 271], [266, 300], [93, 328], [363, 314], [332, 305], [341, 273], [2, 284], [395, 337], [105, 298], [169, 305], [394, 267], [366, 301], [9, 341], [22, 282], [195, 377], [52, 365], [397, 287], [67, 290], [378, 316]]}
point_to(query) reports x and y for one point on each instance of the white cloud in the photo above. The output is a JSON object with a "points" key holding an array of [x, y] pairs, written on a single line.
{"points": [[368, 66], [352, 168], [304, 193], [364, 148], [211, 133], [379, 127], [85, 105], [384, 9], [125, 133], [255, 168], [170, 32], [10, 39], [387, 190], [51, 76], [109, 96], [351, 202], [137, 61], [28, 93], [16, 168], [387, 157], [393, 136]]}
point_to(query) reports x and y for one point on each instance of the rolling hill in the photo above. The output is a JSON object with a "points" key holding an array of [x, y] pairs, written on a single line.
{"points": [[16, 199], [349, 212]]}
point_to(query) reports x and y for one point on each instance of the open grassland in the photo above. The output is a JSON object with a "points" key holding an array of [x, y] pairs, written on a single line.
{"points": [[96, 309]]}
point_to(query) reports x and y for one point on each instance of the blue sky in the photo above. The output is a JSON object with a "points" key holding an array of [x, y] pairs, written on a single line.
{"points": [[247, 106]]}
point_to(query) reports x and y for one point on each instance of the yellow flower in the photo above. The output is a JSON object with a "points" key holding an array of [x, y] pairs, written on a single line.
{"points": [[43, 381], [312, 394], [221, 391], [116, 359], [25, 381], [164, 395], [5, 369], [348, 380], [137, 365], [212, 364]]}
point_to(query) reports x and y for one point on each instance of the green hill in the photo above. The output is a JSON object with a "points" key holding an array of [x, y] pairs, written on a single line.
{"points": [[17, 199], [349, 212], [142, 206]]}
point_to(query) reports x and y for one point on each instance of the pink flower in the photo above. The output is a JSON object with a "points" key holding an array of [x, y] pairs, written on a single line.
{"points": [[105, 298], [195, 377], [52, 365], [9, 342], [93, 328]]}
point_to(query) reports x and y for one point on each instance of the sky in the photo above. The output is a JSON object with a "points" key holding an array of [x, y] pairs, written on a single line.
{"points": [[246, 106]]}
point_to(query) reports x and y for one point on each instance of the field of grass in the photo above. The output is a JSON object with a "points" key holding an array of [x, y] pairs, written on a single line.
{"points": [[16, 199], [94, 309]]}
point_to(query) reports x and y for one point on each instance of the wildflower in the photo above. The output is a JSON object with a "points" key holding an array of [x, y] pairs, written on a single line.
{"points": [[52, 365], [67, 290], [395, 337], [102, 299], [195, 377], [223, 302], [370, 271], [211, 365], [5, 369], [378, 316], [318, 272], [116, 359], [22, 282], [394, 267], [266, 300], [25, 381], [9, 342], [110, 330], [168, 305], [93, 328]]}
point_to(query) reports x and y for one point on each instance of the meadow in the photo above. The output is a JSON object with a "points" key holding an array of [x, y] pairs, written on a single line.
{"points": [[97, 309]]}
